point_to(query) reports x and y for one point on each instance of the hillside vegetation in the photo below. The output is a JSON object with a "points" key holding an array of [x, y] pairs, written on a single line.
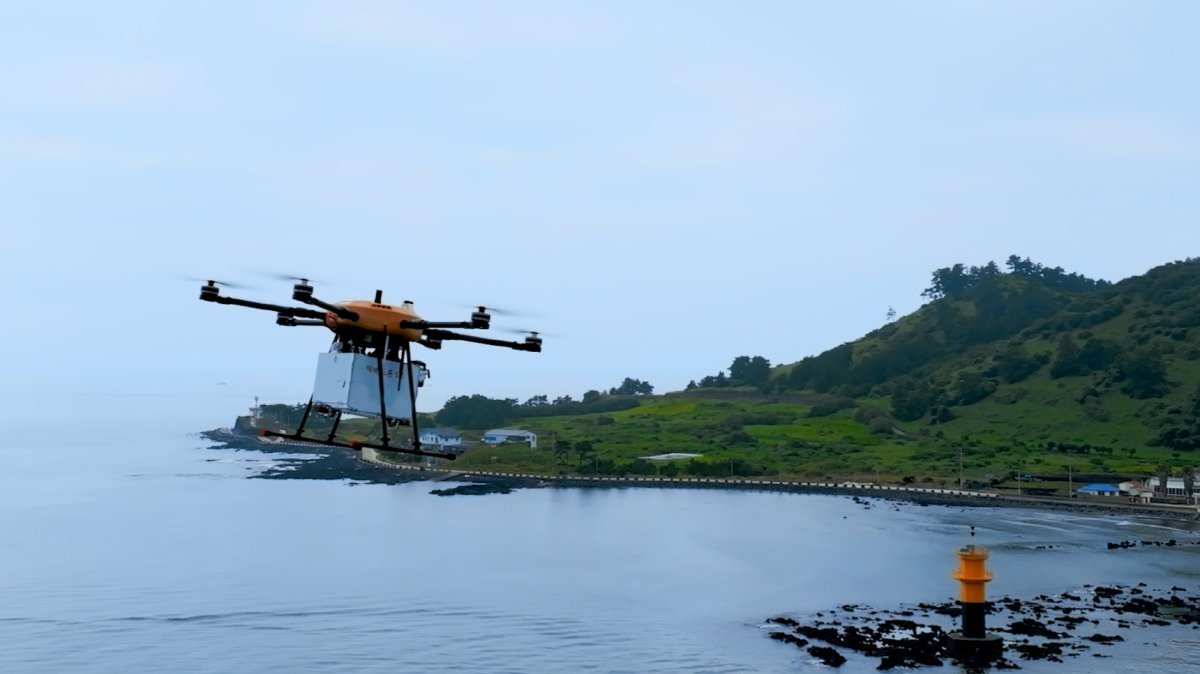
{"points": [[1031, 371], [1023, 371]]}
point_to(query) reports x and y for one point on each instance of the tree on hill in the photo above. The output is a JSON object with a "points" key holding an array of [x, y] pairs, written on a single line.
{"points": [[824, 371], [591, 396], [631, 387], [1052, 277], [1014, 364], [1022, 267], [475, 412], [1099, 354], [948, 282], [584, 450], [1181, 429], [956, 280], [750, 370], [1144, 373], [911, 400], [744, 371], [1067, 362], [280, 416], [970, 387], [561, 449]]}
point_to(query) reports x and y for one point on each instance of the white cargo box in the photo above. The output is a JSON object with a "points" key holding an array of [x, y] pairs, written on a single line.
{"points": [[350, 382]]}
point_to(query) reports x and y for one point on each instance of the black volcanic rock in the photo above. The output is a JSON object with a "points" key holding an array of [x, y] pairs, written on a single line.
{"points": [[827, 656]]}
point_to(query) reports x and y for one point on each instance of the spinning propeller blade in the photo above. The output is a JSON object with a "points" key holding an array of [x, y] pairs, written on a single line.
{"points": [[223, 284], [289, 277], [493, 310], [532, 333]]}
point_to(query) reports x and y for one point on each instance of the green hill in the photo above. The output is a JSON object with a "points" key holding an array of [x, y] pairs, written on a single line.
{"points": [[1026, 371]]}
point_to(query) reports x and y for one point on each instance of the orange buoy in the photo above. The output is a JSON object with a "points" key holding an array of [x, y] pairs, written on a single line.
{"points": [[973, 644]]}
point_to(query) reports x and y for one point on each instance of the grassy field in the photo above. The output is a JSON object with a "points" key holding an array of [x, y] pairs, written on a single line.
{"points": [[980, 426], [761, 436], [743, 432]]}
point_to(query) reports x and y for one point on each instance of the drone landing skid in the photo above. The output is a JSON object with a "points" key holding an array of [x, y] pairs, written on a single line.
{"points": [[357, 445], [404, 363]]}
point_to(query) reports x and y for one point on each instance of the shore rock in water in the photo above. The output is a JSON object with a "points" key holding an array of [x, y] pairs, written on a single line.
{"points": [[474, 490], [827, 656], [789, 639]]}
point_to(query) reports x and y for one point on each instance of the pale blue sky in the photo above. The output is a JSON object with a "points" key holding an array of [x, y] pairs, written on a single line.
{"points": [[666, 185]]}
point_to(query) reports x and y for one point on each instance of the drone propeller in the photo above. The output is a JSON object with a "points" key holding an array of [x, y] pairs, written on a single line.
{"points": [[495, 311], [214, 282], [530, 333], [288, 277]]}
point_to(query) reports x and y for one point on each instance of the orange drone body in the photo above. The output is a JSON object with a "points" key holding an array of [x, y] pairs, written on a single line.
{"points": [[376, 317]]}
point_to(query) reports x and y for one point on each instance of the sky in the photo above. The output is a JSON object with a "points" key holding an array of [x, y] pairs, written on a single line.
{"points": [[660, 187]]}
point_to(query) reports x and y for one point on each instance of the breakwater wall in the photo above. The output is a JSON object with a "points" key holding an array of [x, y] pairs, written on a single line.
{"points": [[907, 493], [913, 494]]}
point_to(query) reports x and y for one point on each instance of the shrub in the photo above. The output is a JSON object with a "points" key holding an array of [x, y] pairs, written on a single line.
{"points": [[738, 438], [865, 414], [831, 405], [880, 426]]}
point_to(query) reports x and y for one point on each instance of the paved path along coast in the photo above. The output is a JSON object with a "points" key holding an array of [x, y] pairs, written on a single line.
{"points": [[900, 492]]}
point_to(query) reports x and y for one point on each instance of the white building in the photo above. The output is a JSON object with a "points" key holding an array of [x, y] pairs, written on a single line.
{"points": [[499, 436], [441, 437], [1175, 488]]}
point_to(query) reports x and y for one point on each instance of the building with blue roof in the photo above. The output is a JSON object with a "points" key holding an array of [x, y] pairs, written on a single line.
{"points": [[1098, 489]]}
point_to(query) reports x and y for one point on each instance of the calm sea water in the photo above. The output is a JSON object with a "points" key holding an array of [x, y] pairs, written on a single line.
{"points": [[155, 553]]}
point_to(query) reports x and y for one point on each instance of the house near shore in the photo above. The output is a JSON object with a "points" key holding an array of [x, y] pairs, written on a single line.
{"points": [[1136, 490], [1176, 489], [1098, 489], [499, 436], [442, 438]]}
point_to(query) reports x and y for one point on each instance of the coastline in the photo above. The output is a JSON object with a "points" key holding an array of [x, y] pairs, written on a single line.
{"points": [[367, 465], [917, 495]]}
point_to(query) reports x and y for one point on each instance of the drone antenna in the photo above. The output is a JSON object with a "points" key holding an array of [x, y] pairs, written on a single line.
{"points": [[378, 297]]}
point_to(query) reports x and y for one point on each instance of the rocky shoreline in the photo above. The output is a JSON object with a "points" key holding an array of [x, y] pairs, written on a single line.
{"points": [[319, 462], [1067, 625], [335, 463]]}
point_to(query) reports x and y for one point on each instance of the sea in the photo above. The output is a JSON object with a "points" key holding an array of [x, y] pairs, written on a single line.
{"points": [[156, 551]]}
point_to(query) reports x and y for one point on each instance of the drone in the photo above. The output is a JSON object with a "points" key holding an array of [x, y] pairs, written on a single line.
{"points": [[369, 369]]}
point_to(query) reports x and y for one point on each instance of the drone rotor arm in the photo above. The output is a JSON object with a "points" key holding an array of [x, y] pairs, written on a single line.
{"points": [[293, 312], [290, 322], [440, 335], [426, 325], [340, 312]]}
